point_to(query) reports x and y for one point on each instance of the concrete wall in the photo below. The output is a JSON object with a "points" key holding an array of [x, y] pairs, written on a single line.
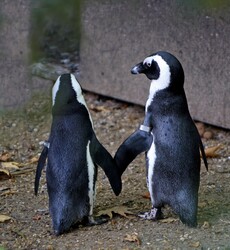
{"points": [[118, 34], [14, 30], [16, 83]]}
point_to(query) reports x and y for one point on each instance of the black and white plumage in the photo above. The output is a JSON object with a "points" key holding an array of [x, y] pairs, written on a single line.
{"points": [[73, 153], [171, 141]]}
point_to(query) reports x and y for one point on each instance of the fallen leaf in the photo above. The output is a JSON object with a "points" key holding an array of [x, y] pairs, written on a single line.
{"points": [[133, 238], [121, 210], [168, 220], [195, 244], [5, 156], [33, 160], [4, 174], [37, 217], [13, 165], [8, 192], [146, 195], [99, 108], [4, 188], [10, 165], [206, 225], [4, 218], [211, 151]]}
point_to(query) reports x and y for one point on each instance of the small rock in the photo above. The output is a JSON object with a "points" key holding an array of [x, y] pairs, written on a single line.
{"points": [[208, 135], [49, 247], [65, 61]]}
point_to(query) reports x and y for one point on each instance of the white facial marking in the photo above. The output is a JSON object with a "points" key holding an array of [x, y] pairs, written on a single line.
{"points": [[148, 60], [55, 90], [91, 172], [77, 88], [163, 80], [151, 155]]}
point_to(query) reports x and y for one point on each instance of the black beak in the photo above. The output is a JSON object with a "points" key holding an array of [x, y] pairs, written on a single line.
{"points": [[138, 69]]}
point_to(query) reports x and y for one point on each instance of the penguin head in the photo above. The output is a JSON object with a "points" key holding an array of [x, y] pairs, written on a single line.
{"points": [[66, 94], [163, 69]]}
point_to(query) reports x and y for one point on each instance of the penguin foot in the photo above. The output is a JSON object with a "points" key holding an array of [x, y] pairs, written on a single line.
{"points": [[153, 214], [92, 221]]}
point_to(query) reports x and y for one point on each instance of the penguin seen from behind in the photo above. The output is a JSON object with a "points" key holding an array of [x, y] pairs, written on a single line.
{"points": [[73, 153]]}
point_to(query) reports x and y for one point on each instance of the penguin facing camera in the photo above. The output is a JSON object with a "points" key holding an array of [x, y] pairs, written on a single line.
{"points": [[170, 139], [73, 153]]}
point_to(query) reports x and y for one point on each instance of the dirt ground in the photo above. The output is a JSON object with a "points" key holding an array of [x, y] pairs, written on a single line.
{"points": [[21, 134]]}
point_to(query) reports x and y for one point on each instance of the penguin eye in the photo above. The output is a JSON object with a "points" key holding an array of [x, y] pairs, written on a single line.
{"points": [[148, 64]]}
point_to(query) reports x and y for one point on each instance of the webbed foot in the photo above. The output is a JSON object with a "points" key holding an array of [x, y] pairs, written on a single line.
{"points": [[92, 221], [153, 214]]}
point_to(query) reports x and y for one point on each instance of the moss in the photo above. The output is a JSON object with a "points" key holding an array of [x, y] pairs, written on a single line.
{"points": [[55, 28]]}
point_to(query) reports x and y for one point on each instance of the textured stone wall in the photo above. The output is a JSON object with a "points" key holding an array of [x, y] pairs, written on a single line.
{"points": [[14, 30], [118, 34]]}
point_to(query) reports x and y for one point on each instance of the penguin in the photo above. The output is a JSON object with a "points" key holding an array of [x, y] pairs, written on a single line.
{"points": [[170, 141], [73, 155]]}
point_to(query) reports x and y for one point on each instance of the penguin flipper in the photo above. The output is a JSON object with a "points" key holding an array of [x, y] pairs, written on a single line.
{"points": [[203, 153], [40, 166], [103, 159], [138, 142]]}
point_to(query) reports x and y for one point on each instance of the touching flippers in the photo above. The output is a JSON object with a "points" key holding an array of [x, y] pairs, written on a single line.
{"points": [[40, 166], [103, 159], [138, 142]]}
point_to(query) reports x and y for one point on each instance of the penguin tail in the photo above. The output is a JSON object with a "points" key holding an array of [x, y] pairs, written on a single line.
{"points": [[58, 230], [187, 214]]}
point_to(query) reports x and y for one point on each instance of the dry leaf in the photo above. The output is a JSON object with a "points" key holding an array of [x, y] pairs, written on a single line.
{"points": [[206, 225], [121, 210], [99, 108], [4, 188], [202, 204], [211, 151], [8, 192], [4, 218], [133, 238], [4, 174], [5, 156], [10, 165], [195, 244], [37, 217], [33, 160], [168, 220], [146, 195]]}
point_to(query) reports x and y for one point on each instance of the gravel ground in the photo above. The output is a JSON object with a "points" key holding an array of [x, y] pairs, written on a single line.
{"points": [[29, 227]]}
